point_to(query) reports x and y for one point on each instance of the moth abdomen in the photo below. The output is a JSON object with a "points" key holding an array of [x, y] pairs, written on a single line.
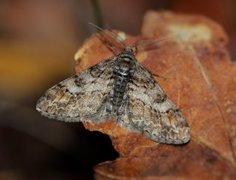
{"points": [[122, 75]]}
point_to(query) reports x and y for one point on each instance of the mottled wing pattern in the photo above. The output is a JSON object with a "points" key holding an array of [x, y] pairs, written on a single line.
{"points": [[152, 112], [80, 97]]}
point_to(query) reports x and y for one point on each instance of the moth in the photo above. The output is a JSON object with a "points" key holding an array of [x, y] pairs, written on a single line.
{"points": [[118, 88]]}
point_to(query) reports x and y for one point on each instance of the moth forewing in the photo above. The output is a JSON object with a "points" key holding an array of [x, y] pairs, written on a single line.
{"points": [[119, 88]]}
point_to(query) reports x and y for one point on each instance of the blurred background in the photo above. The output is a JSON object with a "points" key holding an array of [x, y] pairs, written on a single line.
{"points": [[38, 40]]}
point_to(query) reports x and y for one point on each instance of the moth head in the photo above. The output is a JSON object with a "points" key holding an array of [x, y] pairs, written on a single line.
{"points": [[130, 50], [127, 55]]}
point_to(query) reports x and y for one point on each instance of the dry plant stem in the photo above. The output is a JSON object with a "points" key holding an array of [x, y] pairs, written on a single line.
{"points": [[97, 13]]}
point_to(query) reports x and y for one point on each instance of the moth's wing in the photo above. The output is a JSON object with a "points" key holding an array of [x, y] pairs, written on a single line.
{"points": [[151, 112], [80, 97]]}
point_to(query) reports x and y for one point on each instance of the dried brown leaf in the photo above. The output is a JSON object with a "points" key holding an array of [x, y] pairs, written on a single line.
{"points": [[202, 83]]}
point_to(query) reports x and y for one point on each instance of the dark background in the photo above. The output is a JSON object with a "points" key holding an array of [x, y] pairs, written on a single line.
{"points": [[38, 40]]}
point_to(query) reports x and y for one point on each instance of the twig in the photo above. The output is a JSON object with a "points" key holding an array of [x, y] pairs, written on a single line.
{"points": [[97, 13]]}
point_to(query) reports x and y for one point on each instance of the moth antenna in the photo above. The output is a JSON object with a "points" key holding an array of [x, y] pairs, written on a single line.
{"points": [[163, 77], [110, 39], [151, 44], [113, 35], [95, 26]]}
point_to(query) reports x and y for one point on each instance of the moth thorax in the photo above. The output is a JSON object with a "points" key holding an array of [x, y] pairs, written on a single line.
{"points": [[124, 67]]}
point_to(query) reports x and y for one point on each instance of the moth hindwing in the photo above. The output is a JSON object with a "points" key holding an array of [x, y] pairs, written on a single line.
{"points": [[122, 89]]}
